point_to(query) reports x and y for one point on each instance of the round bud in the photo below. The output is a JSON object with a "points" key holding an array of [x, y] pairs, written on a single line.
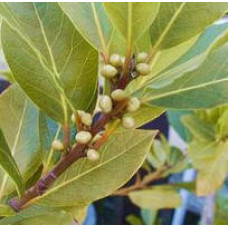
{"points": [[141, 57], [92, 155], [83, 137], [73, 119], [118, 95], [108, 71], [123, 60], [133, 104], [57, 145], [105, 104], [81, 113], [128, 122], [115, 60], [143, 69], [87, 119]]}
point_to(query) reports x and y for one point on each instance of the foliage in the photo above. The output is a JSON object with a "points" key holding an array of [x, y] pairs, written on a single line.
{"points": [[56, 53]]}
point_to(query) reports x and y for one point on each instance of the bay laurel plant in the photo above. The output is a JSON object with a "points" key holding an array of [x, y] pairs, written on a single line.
{"points": [[84, 77]]}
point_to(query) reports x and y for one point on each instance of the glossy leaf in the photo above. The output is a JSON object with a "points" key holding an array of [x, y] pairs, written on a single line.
{"points": [[173, 63], [132, 19], [20, 127], [203, 88], [9, 166], [177, 22], [91, 21], [144, 115], [92, 181], [50, 60], [38, 216], [157, 197]]}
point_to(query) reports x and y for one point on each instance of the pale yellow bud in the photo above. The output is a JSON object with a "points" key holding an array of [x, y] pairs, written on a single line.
{"points": [[92, 155], [87, 119], [83, 137], [97, 137], [57, 145], [143, 69], [108, 71], [141, 57], [133, 104], [128, 122], [73, 119], [115, 60], [81, 113], [118, 95], [105, 104]]}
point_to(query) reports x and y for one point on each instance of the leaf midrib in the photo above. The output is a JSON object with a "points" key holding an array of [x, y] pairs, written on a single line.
{"points": [[185, 89], [90, 170]]}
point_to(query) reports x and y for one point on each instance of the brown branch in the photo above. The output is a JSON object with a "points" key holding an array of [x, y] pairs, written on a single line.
{"points": [[78, 151]]}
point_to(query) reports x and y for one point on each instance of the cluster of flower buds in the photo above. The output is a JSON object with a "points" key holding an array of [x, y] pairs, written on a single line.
{"points": [[110, 70], [142, 67], [106, 105]]}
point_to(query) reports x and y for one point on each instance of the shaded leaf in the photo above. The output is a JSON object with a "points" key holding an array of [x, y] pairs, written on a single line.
{"points": [[9, 165]]}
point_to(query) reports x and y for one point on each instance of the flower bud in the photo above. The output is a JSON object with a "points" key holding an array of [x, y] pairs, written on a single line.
{"points": [[57, 145], [105, 104], [128, 122], [73, 119], [92, 155], [87, 119], [115, 60], [118, 95], [141, 57], [133, 104], [108, 71], [83, 137], [80, 113], [143, 69], [97, 136]]}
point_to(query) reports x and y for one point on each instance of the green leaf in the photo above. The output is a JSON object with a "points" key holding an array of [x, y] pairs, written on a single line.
{"points": [[149, 216], [210, 159], [157, 197], [49, 131], [91, 21], [177, 22], [167, 66], [132, 19], [199, 128], [9, 165], [6, 210], [94, 180], [50, 60], [144, 115], [20, 126], [35, 215], [203, 88], [174, 118], [133, 220]]}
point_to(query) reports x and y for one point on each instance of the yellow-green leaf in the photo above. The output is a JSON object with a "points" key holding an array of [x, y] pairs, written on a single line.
{"points": [[157, 197]]}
